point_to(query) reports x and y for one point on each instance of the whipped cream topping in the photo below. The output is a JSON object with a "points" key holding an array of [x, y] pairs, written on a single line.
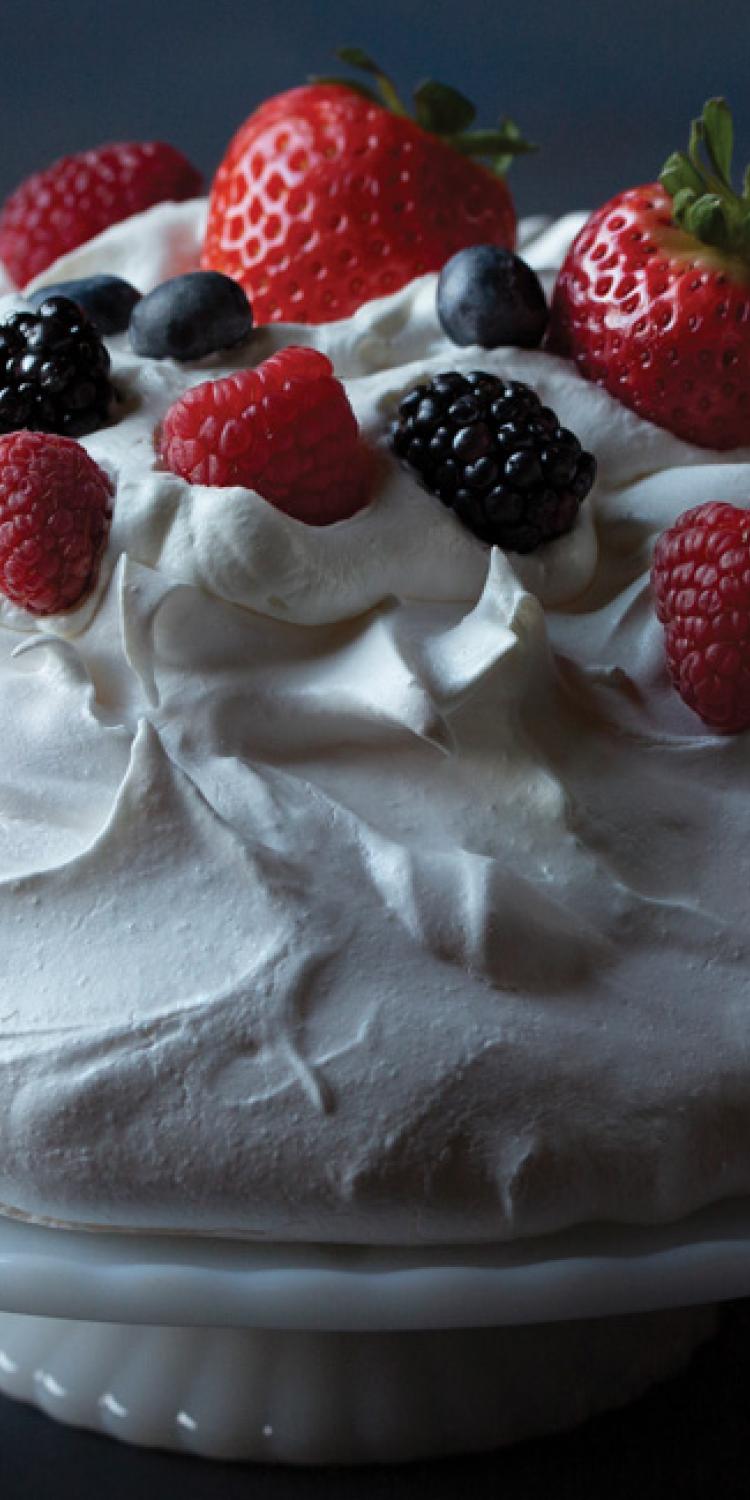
{"points": [[362, 883]]}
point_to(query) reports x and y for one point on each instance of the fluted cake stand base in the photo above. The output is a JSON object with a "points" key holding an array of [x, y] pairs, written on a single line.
{"points": [[308, 1397], [343, 1354]]}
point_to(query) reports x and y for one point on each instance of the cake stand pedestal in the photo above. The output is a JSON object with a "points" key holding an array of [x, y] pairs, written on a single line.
{"points": [[310, 1354]]}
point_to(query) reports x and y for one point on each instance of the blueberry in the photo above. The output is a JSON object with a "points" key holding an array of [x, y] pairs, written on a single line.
{"points": [[107, 301], [191, 316], [489, 296]]}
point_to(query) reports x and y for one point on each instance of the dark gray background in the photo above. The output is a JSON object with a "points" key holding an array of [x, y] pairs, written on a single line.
{"points": [[608, 91]]}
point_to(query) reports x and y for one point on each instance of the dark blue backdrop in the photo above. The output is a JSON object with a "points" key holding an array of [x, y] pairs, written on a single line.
{"points": [[606, 89]]}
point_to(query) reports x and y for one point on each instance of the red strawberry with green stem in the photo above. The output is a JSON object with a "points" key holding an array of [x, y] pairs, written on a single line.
{"points": [[653, 299], [331, 194]]}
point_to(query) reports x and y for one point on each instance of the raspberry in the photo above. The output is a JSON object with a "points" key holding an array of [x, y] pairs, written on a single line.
{"points": [[701, 577], [77, 197], [492, 453], [55, 509], [284, 429]]}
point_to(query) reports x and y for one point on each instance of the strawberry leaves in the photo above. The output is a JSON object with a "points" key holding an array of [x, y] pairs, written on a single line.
{"points": [[715, 128], [440, 109], [356, 58], [699, 183]]}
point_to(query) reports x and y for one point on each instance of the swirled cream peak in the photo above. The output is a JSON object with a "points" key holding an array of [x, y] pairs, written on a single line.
{"points": [[360, 883]]}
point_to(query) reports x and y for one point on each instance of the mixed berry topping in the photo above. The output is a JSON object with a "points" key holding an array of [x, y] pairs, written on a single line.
{"points": [[55, 509], [285, 429], [191, 316], [77, 197], [701, 578], [488, 296], [54, 371], [107, 301], [491, 451]]}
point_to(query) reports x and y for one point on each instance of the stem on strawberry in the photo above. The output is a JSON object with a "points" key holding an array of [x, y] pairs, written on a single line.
{"points": [[699, 183], [440, 109], [387, 89], [504, 142]]}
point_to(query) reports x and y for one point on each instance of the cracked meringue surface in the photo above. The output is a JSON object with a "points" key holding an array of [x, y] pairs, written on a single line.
{"points": [[362, 884]]}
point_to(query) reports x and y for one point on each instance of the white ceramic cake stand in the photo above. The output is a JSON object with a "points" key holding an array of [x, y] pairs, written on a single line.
{"points": [[314, 1354]]}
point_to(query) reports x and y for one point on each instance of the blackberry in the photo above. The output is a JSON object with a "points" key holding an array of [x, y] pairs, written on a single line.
{"points": [[491, 451], [54, 371]]}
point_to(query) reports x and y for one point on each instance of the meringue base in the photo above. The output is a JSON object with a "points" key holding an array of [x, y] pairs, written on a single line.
{"points": [[314, 1398]]}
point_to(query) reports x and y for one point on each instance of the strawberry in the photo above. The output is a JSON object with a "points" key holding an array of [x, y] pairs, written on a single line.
{"points": [[653, 298], [77, 197], [330, 195]]}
